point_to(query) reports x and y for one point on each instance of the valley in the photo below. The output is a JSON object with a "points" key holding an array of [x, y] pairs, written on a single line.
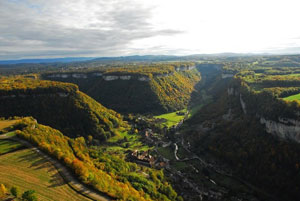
{"points": [[212, 129]]}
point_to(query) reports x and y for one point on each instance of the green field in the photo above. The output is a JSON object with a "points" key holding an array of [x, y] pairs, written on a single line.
{"points": [[124, 141], [8, 146], [167, 152], [293, 97], [172, 118], [26, 170]]}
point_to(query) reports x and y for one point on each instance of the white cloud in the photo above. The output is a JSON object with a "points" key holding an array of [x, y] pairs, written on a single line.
{"points": [[57, 28]]}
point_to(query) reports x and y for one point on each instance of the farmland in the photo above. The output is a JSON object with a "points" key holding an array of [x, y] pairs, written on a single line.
{"points": [[8, 146], [25, 169]]}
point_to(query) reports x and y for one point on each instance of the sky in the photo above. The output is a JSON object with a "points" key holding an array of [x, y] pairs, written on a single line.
{"points": [[96, 28]]}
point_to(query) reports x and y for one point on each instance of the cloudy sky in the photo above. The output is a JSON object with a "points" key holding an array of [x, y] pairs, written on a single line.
{"points": [[72, 28]]}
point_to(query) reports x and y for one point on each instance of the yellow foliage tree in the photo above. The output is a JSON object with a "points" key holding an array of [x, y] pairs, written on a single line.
{"points": [[3, 191]]}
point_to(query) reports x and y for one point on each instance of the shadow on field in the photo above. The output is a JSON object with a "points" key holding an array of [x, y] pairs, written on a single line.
{"points": [[56, 181], [38, 163]]}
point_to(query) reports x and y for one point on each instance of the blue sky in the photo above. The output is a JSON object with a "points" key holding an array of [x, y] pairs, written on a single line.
{"points": [[71, 28]]}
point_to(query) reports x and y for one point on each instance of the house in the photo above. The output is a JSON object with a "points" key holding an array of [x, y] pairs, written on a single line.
{"points": [[142, 157]]}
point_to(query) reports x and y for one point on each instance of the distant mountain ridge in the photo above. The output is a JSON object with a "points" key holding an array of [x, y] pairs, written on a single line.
{"points": [[50, 60], [137, 58]]}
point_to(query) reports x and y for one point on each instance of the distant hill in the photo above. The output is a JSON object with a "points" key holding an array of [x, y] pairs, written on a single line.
{"points": [[60, 105], [90, 59], [138, 58]]}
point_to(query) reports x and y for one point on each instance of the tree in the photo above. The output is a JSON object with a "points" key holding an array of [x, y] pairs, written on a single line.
{"points": [[90, 139], [14, 191], [3, 191], [29, 196]]}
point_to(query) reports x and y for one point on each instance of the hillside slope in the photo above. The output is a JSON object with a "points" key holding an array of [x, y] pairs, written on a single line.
{"points": [[231, 131], [145, 89], [59, 105], [101, 170]]}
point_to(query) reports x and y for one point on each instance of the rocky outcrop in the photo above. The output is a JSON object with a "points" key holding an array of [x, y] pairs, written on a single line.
{"points": [[110, 77], [79, 75], [184, 68], [144, 79], [243, 104], [227, 75], [60, 94], [125, 77], [285, 128], [230, 91]]}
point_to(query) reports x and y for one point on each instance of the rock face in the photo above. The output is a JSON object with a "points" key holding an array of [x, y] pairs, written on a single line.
{"points": [[285, 128], [79, 75], [115, 77], [110, 77], [183, 68], [230, 91], [60, 94], [144, 79], [243, 104], [227, 75], [125, 77]]}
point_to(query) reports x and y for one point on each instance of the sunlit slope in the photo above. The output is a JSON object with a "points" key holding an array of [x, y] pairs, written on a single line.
{"points": [[60, 105]]}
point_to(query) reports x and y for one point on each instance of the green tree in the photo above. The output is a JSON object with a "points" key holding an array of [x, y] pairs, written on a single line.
{"points": [[29, 196], [14, 191]]}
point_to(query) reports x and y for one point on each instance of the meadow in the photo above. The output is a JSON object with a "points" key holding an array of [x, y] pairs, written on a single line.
{"points": [[292, 98], [9, 146], [25, 169], [172, 118]]}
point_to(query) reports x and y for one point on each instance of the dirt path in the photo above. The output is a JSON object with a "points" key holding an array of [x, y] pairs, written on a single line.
{"points": [[73, 182]]}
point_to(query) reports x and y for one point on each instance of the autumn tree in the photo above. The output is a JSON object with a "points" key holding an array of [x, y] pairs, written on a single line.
{"points": [[3, 191]]}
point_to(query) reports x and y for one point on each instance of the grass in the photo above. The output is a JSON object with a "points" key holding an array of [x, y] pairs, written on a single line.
{"points": [[166, 152], [10, 134], [26, 170], [8, 146], [172, 118], [293, 97], [6, 123], [117, 143], [180, 165]]}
